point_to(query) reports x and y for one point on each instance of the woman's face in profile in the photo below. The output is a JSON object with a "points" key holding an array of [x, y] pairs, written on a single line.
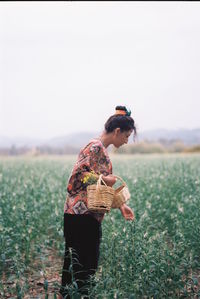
{"points": [[121, 138]]}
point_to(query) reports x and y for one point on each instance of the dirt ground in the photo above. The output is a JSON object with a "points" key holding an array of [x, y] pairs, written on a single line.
{"points": [[38, 279]]}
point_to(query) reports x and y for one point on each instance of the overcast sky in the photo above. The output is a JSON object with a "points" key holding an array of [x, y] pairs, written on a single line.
{"points": [[64, 66]]}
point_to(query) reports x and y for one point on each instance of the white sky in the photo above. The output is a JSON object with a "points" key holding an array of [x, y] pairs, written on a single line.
{"points": [[64, 66]]}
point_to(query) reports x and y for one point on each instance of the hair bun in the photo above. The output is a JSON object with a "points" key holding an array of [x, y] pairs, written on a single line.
{"points": [[123, 108]]}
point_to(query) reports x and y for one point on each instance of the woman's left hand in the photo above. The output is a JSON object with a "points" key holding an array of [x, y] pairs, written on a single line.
{"points": [[127, 212]]}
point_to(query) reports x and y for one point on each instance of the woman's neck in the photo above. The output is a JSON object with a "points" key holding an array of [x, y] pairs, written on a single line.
{"points": [[105, 139]]}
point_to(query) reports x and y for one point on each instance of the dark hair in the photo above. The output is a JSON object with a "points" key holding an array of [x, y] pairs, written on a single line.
{"points": [[124, 122]]}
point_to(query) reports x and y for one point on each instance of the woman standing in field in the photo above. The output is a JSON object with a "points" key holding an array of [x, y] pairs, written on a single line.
{"points": [[82, 228]]}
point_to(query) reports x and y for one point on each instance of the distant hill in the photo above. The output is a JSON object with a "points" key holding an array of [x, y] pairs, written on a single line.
{"points": [[189, 137], [78, 140], [6, 142]]}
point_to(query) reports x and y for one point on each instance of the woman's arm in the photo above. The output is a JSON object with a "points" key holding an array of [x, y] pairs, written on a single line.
{"points": [[110, 179]]}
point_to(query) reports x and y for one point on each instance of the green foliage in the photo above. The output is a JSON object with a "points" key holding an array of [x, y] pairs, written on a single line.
{"points": [[157, 256]]}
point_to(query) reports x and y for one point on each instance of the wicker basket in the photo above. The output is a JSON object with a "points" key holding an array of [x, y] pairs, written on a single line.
{"points": [[100, 197], [121, 195]]}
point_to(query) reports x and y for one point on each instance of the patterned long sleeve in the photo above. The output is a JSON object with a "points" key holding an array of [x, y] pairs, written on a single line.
{"points": [[93, 157]]}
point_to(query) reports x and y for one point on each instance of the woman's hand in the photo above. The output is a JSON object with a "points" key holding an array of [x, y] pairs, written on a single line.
{"points": [[127, 212], [110, 179]]}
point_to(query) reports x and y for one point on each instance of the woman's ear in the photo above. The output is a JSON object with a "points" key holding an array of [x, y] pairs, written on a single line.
{"points": [[117, 131]]}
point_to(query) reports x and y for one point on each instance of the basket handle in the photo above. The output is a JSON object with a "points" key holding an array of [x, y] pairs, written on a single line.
{"points": [[118, 177], [100, 180]]}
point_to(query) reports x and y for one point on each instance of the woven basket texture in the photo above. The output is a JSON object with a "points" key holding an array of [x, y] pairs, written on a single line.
{"points": [[100, 197], [121, 195]]}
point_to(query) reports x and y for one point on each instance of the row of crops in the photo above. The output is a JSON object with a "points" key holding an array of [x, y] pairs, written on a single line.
{"points": [[156, 256]]}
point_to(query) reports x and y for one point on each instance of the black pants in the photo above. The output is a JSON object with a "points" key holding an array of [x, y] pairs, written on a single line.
{"points": [[82, 239]]}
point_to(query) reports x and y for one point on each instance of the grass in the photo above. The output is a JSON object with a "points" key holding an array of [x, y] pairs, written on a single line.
{"points": [[157, 256]]}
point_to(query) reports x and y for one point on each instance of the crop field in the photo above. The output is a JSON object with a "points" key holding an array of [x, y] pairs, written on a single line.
{"points": [[156, 256]]}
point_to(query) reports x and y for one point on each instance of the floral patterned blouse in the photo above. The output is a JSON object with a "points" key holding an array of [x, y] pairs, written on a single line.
{"points": [[94, 157]]}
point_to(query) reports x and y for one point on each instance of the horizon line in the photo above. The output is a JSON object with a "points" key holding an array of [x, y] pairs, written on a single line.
{"points": [[91, 132]]}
